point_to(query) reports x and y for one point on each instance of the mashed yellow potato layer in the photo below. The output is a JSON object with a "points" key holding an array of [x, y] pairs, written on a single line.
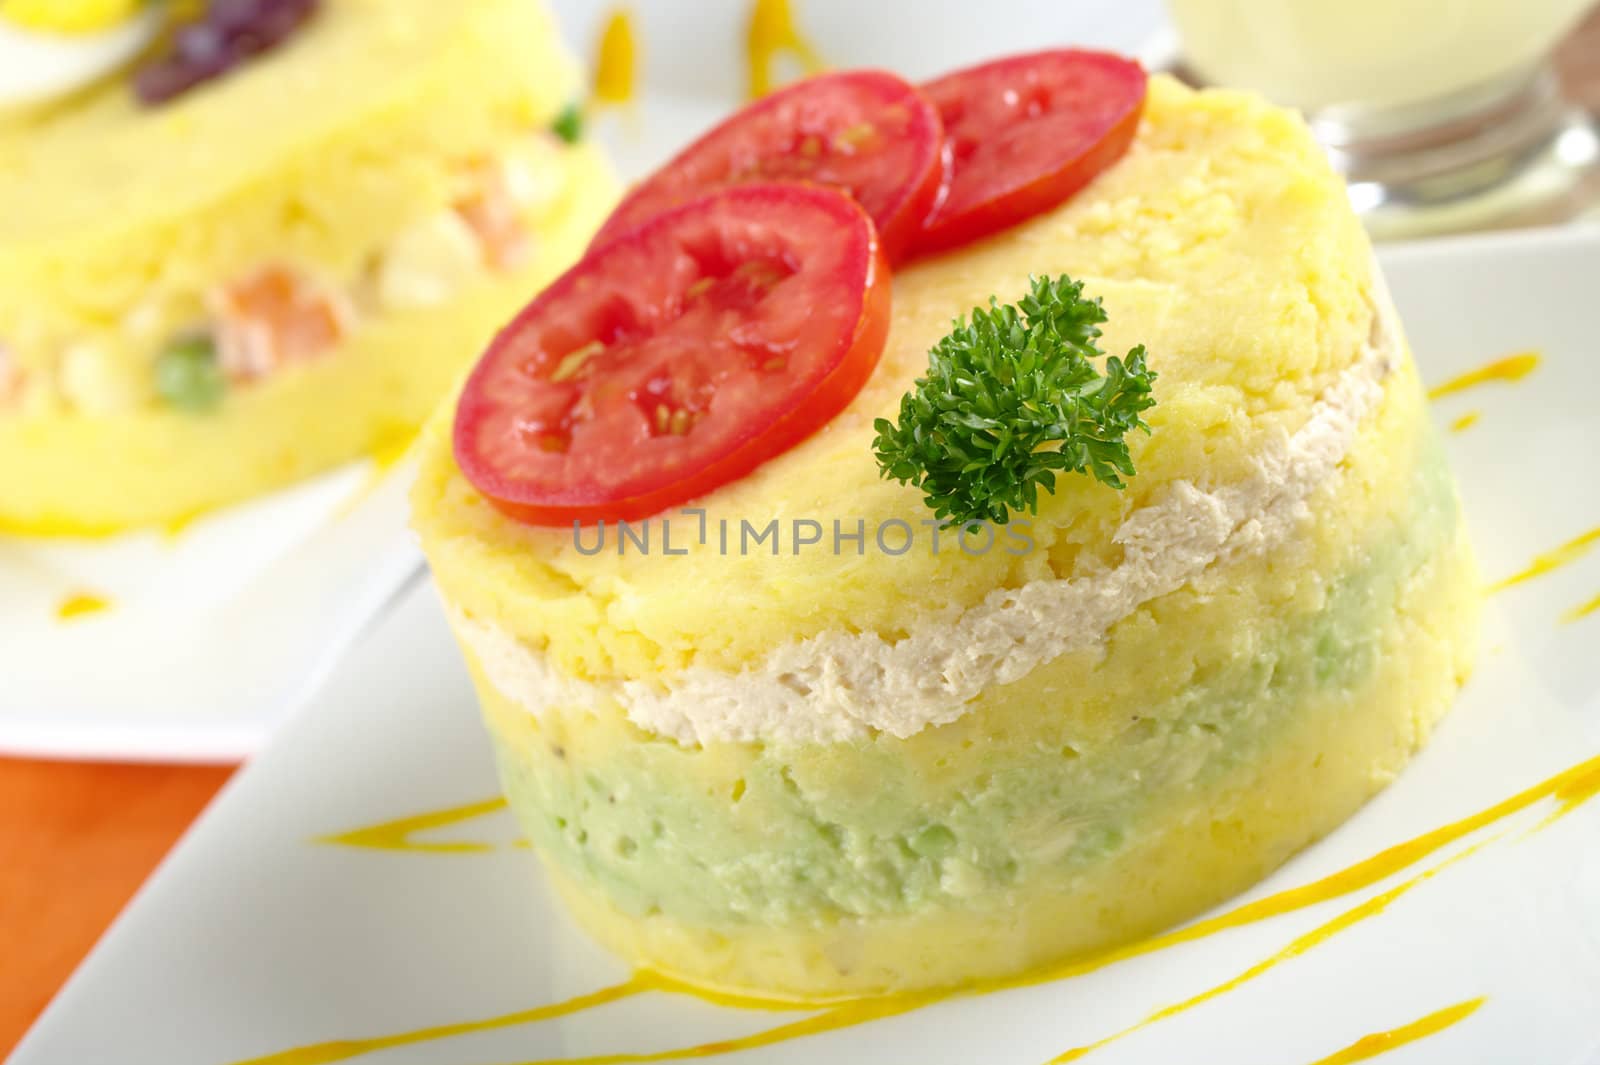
{"points": [[1102, 797], [78, 474], [1190, 853], [1222, 241]]}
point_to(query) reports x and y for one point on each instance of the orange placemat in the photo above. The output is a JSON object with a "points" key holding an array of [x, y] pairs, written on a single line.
{"points": [[76, 841]]}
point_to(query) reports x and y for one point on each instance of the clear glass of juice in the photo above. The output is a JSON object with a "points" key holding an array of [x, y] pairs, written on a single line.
{"points": [[1443, 114]]}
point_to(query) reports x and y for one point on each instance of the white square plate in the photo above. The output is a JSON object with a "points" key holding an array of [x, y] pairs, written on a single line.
{"points": [[255, 937]]}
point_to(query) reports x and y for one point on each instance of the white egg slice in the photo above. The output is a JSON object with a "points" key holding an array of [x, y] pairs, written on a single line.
{"points": [[35, 67]]}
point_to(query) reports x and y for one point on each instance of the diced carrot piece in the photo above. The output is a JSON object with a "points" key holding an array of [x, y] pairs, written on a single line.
{"points": [[10, 377], [490, 209], [276, 317]]}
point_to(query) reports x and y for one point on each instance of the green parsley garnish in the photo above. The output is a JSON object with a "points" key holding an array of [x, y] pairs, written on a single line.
{"points": [[569, 124], [1010, 399]]}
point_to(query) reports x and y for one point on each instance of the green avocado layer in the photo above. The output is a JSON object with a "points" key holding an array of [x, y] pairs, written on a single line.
{"points": [[1033, 782]]}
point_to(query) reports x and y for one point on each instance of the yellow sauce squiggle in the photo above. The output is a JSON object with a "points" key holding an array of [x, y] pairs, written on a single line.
{"points": [[1370, 1046], [772, 33], [1570, 789], [1356, 914], [1511, 368], [397, 835], [1578, 613], [616, 66], [343, 1049], [1576, 788], [81, 604], [1551, 561]]}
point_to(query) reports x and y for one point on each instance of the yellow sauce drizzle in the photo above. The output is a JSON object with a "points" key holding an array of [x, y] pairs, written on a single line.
{"points": [[833, 1020], [616, 64], [1570, 789], [1568, 552], [80, 605], [1578, 613], [1573, 792], [1466, 421], [1511, 368], [1356, 914], [772, 33], [847, 1015], [397, 835], [641, 983], [343, 1049], [1380, 866], [1370, 1046]]}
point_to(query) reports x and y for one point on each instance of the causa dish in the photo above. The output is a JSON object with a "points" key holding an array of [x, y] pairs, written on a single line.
{"points": [[270, 245], [1003, 572]]}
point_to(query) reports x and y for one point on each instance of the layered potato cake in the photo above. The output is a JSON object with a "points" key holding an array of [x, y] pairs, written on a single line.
{"points": [[848, 770], [284, 267]]}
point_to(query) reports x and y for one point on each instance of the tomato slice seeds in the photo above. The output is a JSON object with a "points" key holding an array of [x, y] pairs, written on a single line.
{"points": [[678, 357], [1025, 133], [866, 132]]}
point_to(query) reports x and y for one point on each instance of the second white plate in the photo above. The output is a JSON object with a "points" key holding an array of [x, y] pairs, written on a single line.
{"points": [[194, 646]]}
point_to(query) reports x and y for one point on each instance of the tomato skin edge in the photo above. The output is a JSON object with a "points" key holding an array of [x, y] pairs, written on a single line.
{"points": [[823, 403], [840, 388], [1031, 200], [1044, 193], [918, 205]]}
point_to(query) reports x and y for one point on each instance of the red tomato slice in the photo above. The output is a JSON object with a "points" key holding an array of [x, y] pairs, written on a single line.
{"points": [[866, 132], [679, 357], [1027, 132]]}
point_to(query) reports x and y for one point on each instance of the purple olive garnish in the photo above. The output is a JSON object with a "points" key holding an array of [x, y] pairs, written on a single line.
{"points": [[229, 34]]}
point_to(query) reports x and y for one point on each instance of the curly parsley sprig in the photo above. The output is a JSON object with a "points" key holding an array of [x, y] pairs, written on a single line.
{"points": [[1010, 400]]}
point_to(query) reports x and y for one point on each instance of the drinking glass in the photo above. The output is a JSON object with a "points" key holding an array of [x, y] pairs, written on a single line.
{"points": [[1442, 114]]}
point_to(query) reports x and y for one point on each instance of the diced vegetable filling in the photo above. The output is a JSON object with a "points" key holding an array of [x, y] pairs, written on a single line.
{"points": [[10, 377], [281, 315]]}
